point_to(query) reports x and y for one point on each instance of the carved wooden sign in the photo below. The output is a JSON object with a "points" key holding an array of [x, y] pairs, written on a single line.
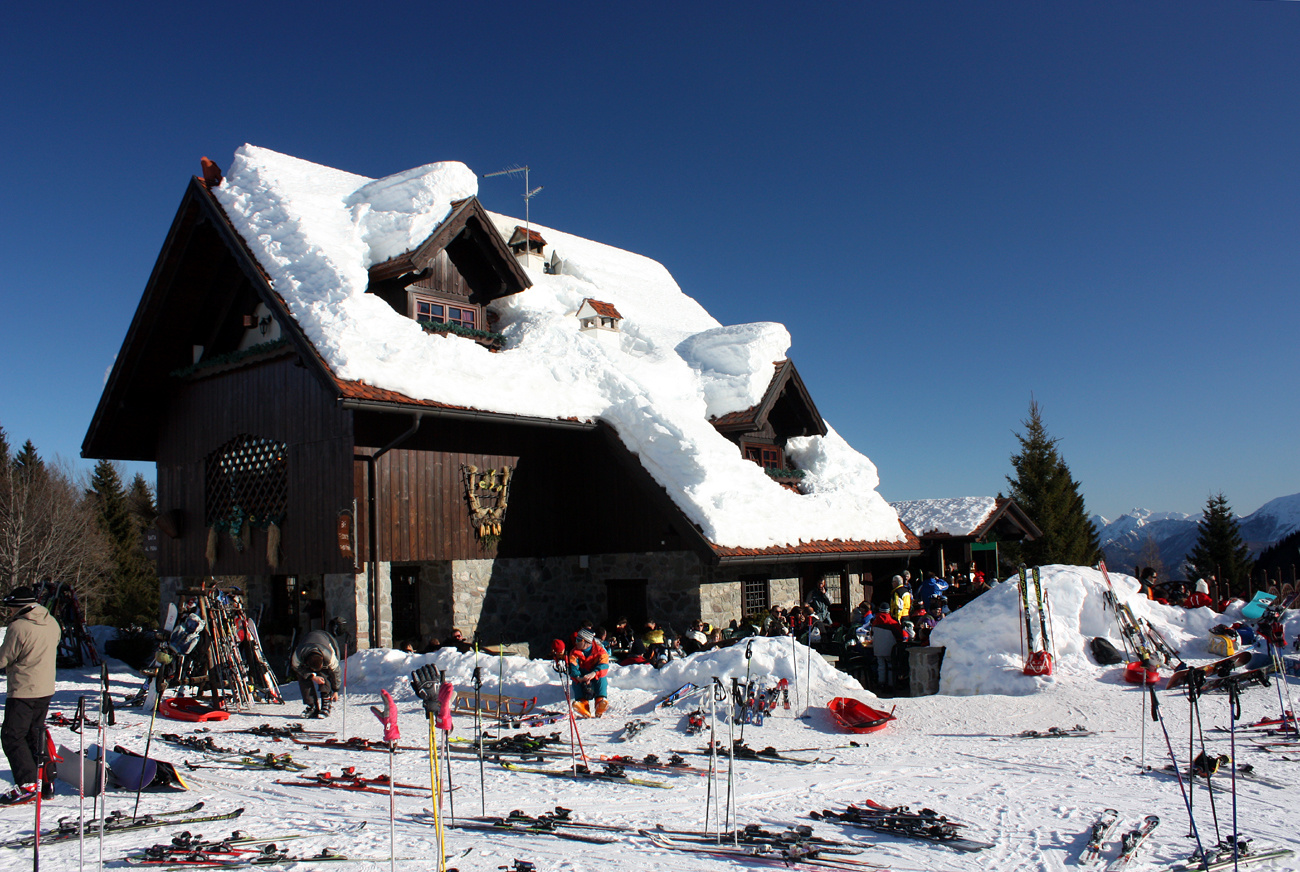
{"points": [[488, 493]]}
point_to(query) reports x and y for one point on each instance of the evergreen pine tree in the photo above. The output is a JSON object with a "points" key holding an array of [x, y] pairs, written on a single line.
{"points": [[28, 459], [1219, 550], [1044, 488], [132, 597]]}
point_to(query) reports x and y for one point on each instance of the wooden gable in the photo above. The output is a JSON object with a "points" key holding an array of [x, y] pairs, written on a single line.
{"points": [[203, 288], [786, 410], [470, 243]]}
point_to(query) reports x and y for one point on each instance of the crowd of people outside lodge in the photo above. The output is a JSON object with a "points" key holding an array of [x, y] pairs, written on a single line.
{"points": [[875, 635]]}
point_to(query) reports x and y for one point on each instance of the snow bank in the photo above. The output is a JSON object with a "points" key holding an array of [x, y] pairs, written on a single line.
{"points": [[983, 638], [316, 231], [377, 669]]}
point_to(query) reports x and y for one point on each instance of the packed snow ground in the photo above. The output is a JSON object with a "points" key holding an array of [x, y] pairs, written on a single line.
{"points": [[1034, 798]]}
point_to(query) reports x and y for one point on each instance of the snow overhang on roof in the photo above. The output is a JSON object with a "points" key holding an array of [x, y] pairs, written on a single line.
{"points": [[964, 517], [318, 233]]}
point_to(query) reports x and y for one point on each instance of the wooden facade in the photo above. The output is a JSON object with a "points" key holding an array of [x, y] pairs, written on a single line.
{"points": [[374, 483], [281, 400], [571, 494]]}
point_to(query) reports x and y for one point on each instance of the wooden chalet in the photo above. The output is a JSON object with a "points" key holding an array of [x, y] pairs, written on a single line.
{"points": [[966, 530], [328, 498]]}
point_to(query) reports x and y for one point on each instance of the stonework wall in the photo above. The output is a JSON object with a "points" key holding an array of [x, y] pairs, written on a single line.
{"points": [[673, 583], [384, 587], [535, 600], [784, 591], [437, 614], [720, 603]]}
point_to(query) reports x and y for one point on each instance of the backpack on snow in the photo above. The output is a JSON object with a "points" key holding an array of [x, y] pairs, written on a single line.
{"points": [[1105, 653]]}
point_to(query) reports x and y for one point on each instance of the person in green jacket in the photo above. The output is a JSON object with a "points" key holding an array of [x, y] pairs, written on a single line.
{"points": [[28, 657]]}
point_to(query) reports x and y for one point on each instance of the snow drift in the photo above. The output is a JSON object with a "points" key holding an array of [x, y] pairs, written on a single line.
{"points": [[983, 638]]}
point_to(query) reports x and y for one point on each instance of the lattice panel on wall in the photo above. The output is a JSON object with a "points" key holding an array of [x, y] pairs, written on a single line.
{"points": [[246, 479]]}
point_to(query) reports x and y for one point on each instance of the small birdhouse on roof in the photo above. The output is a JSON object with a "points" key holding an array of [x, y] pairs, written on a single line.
{"points": [[595, 315]]}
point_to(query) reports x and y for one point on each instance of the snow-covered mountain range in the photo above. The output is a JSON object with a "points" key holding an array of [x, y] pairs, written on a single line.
{"points": [[1174, 533]]}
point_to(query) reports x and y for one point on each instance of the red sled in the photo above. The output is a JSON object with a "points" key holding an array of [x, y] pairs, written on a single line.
{"points": [[856, 717], [1136, 673], [1039, 663], [184, 708]]}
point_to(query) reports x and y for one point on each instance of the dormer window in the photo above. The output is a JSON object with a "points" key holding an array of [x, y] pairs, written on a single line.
{"points": [[766, 456], [436, 311]]}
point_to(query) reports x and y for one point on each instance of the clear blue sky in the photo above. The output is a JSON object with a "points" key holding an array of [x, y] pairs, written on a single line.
{"points": [[951, 205]]}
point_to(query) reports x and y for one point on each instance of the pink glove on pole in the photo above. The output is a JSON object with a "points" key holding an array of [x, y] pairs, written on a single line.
{"points": [[388, 717], [446, 693]]}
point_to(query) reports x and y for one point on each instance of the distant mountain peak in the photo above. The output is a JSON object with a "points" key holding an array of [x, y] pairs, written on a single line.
{"points": [[1174, 533]]}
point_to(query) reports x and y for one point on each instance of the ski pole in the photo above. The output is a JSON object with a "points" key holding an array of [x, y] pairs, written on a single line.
{"points": [[749, 653], [731, 768], [435, 789], [392, 812], [1234, 715], [794, 664], [81, 791], [807, 710], [1143, 718], [1279, 666], [101, 799], [344, 725], [446, 693], [40, 789], [1195, 683], [478, 734], [1155, 716], [144, 767]]}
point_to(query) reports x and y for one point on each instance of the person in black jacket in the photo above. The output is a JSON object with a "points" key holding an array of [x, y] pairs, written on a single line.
{"points": [[316, 665]]}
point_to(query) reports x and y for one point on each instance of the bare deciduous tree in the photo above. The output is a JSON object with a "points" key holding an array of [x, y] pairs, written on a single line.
{"points": [[48, 529]]}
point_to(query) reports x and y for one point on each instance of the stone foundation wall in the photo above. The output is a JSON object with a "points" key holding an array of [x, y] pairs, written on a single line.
{"points": [[437, 615], [783, 591], [535, 600]]}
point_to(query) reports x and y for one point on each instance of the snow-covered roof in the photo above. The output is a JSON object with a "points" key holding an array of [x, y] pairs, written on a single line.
{"points": [[316, 231], [959, 516]]}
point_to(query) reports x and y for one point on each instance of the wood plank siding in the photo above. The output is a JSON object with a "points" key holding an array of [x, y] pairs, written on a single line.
{"points": [[571, 494], [280, 400]]}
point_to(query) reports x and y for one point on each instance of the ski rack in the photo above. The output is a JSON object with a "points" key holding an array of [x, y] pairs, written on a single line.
{"points": [[236, 664]]}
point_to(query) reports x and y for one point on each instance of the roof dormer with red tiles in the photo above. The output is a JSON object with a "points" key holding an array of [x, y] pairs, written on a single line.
{"points": [[448, 281], [761, 431]]}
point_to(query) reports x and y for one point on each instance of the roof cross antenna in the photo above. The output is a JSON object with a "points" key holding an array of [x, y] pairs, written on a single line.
{"points": [[529, 193]]}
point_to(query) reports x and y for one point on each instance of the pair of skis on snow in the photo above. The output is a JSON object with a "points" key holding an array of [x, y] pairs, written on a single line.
{"points": [[1218, 857], [1130, 843]]}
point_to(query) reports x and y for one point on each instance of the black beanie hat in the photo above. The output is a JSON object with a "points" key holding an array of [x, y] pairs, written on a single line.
{"points": [[20, 596]]}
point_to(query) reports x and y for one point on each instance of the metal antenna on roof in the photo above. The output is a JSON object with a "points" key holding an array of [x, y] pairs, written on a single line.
{"points": [[529, 193]]}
